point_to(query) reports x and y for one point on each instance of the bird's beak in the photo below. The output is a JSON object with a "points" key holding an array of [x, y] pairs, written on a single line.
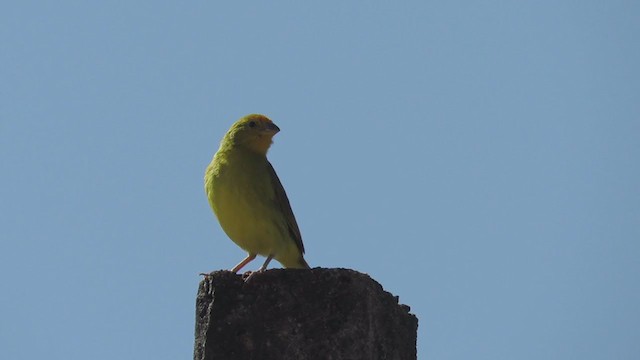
{"points": [[273, 128]]}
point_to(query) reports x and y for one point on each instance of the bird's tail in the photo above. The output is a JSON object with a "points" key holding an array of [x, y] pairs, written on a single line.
{"points": [[293, 262], [303, 263]]}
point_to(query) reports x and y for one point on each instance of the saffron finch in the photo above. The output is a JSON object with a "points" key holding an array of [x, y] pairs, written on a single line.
{"points": [[248, 198]]}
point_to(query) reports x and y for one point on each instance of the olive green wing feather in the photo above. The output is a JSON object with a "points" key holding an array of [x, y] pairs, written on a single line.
{"points": [[282, 201]]}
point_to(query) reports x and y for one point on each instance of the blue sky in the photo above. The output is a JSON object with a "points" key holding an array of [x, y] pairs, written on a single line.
{"points": [[478, 159]]}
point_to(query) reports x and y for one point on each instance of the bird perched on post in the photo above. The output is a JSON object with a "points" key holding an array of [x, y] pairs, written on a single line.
{"points": [[248, 198]]}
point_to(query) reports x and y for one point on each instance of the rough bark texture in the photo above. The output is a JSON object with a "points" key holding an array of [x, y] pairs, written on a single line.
{"points": [[301, 314]]}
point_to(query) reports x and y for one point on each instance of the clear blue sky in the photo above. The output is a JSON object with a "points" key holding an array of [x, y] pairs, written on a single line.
{"points": [[479, 159]]}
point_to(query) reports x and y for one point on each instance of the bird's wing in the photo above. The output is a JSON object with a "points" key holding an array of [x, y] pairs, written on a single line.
{"points": [[283, 203]]}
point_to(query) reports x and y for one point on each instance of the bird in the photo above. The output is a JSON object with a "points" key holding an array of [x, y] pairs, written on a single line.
{"points": [[248, 198]]}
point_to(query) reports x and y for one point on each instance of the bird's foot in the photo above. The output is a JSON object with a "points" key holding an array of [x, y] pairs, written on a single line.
{"points": [[250, 274], [261, 270]]}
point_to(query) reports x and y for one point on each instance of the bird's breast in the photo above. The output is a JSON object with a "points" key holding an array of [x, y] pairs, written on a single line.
{"points": [[242, 197]]}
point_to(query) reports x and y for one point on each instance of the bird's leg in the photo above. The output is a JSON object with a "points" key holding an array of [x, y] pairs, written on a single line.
{"points": [[262, 268], [266, 263], [243, 263]]}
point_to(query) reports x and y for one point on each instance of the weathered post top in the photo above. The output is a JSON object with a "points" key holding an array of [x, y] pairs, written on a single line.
{"points": [[301, 314]]}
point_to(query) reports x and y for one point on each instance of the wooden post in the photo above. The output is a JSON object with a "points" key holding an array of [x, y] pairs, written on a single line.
{"points": [[301, 314]]}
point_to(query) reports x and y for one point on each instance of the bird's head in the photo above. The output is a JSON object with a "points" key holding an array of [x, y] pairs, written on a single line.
{"points": [[254, 132]]}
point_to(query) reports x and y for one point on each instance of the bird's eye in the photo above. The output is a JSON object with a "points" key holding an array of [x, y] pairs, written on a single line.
{"points": [[252, 124]]}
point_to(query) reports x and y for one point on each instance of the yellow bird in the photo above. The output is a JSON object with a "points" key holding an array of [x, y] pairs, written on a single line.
{"points": [[248, 198]]}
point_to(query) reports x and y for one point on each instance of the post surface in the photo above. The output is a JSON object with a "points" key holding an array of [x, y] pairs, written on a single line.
{"points": [[301, 314]]}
